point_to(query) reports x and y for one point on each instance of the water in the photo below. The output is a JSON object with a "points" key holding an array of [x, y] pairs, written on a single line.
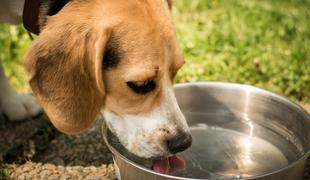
{"points": [[227, 147], [234, 149]]}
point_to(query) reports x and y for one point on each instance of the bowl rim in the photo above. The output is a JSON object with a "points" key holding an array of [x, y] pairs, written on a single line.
{"points": [[221, 84]]}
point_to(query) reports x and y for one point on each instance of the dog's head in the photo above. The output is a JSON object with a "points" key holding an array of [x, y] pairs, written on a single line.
{"points": [[118, 57]]}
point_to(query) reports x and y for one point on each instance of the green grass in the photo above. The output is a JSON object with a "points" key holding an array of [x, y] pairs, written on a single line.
{"points": [[265, 43], [13, 45]]}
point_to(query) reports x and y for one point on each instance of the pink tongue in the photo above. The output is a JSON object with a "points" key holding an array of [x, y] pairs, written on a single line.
{"points": [[170, 164], [161, 165]]}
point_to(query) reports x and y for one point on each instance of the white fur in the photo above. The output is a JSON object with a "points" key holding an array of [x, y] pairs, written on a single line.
{"points": [[15, 106], [141, 134], [130, 128]]}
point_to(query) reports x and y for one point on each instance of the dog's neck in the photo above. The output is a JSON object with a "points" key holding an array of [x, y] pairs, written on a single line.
{"points": [[36, 12]]}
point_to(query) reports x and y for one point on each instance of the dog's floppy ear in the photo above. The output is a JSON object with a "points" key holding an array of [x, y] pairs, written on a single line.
{"points": [[65, 67]]}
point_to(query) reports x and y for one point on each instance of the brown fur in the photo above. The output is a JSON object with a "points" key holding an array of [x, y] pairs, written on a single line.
{"points": [[65, 61]]}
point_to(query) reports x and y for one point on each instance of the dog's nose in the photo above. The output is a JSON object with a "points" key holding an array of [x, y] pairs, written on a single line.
{"points": [[179, 143]]}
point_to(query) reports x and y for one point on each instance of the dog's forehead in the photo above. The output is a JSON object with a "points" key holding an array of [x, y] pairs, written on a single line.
{"points": [[145, 31], [146, 14]]}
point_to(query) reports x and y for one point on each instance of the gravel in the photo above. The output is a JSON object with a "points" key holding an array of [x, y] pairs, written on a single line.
{"points": [[34, 150], [33, 170], [38, 151]]}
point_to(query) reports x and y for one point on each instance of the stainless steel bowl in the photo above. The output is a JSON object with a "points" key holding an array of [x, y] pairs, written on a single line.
{"points": [[239, 132]]}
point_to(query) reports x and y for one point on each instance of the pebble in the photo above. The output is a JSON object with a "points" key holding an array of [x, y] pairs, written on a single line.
{"points": [[49, 167], [75, 157], [63, 160]]}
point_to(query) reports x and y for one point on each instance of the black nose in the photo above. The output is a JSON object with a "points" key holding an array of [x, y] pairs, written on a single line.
{"points": [[179, 143]]}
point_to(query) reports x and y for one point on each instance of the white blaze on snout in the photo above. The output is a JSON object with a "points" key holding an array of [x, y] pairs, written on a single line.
{"points": [[174, 114], [138, 134], [146, 135]]}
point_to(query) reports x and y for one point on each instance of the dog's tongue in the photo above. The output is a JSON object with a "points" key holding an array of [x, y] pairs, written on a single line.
{"points": [[169, 164]]}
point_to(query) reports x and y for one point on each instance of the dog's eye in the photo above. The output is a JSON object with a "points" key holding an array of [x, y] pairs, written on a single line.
{"points": [[142, 87]]}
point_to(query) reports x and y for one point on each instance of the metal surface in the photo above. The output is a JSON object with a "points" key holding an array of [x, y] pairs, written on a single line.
{"points": [[239, 132]]}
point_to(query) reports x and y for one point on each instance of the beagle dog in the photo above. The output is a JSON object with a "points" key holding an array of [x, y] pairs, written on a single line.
{"points": [[116, 57]]}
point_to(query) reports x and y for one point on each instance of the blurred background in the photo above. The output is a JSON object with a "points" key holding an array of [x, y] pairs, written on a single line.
{"points": [[265, 43]]}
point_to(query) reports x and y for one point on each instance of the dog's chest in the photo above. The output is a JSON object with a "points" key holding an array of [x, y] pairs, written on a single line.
{"points": [[11, 11]]}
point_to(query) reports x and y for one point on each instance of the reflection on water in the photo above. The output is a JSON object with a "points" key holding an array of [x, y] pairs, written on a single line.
{"points": [[226, 153], [228, 148]]}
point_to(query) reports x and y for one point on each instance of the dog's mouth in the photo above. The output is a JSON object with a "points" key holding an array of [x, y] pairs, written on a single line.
{"points": [[164, 165], [168, 164]]}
